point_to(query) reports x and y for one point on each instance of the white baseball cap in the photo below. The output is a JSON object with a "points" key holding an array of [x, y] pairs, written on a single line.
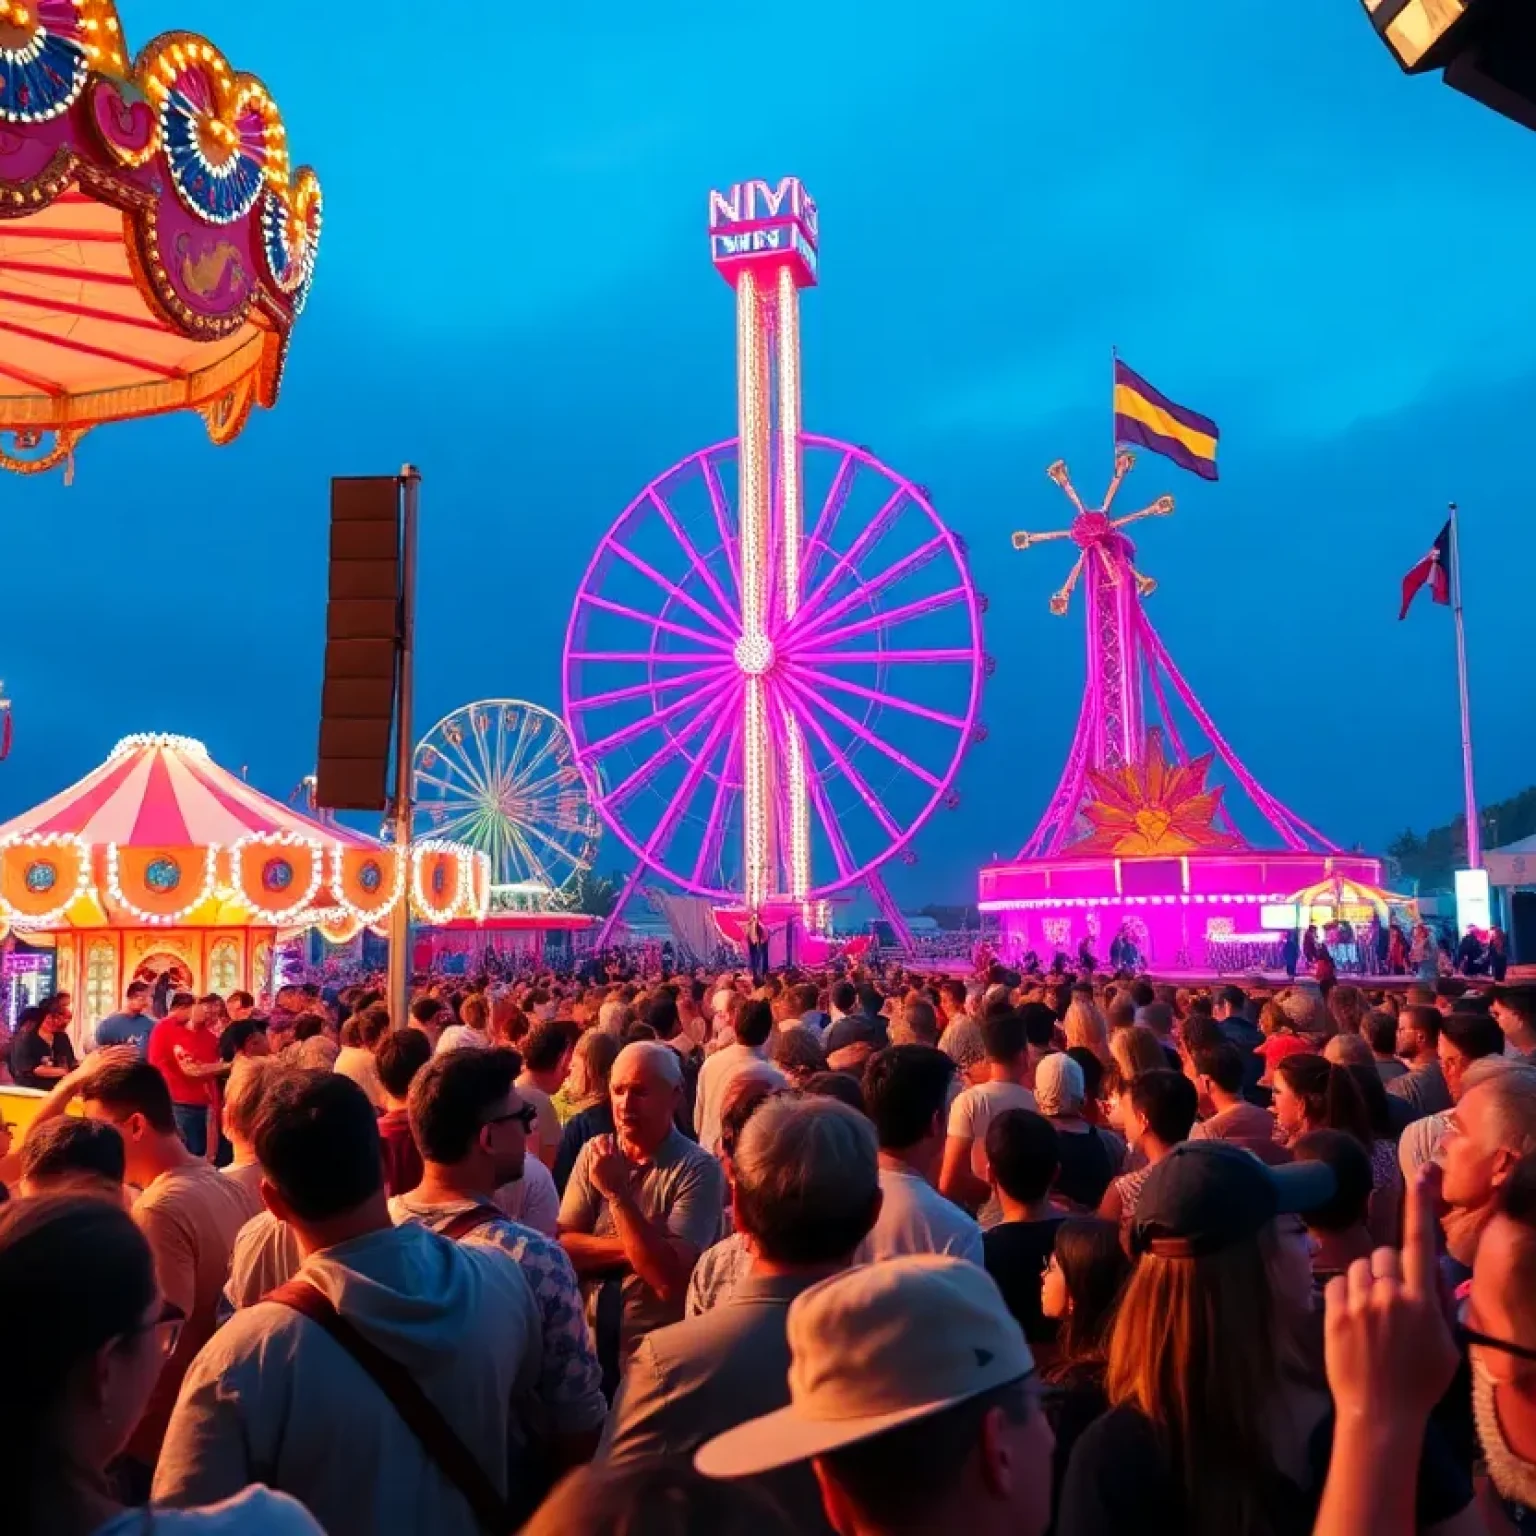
{"points": [[875, 1348]]}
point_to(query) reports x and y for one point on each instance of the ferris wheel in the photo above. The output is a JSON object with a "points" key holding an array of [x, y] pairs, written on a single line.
{"points": [[500, 775]]}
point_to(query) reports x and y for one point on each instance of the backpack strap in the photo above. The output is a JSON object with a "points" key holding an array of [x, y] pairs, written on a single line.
{"points": [[457, 1228], [420, 1414]]}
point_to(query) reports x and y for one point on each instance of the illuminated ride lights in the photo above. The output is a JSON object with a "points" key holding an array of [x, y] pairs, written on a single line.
{"points": [[1134, 822], [500, 775], [774, 663]]}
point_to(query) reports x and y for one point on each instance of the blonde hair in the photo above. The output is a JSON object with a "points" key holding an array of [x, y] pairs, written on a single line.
{"points": [[1135, 1049], [1085, 1026], [591, 1067], [250, 1081], [475, 1012]]}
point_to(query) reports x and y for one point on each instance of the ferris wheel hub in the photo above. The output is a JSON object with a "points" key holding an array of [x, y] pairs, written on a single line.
{"points": [[755, 655]]}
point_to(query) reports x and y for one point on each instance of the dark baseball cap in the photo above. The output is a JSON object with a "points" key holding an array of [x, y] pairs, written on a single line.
{"points": [[1206, 1196]]}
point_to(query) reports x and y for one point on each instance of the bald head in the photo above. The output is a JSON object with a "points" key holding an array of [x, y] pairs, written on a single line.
{"points": [[646, 1090]]}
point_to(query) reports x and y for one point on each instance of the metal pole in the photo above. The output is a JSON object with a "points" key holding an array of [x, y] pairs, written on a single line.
{"points": [[1474, 835], [400, 918]]}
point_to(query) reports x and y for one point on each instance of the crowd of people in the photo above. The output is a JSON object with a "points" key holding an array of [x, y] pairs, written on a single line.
{"points": [[871, 1253]]}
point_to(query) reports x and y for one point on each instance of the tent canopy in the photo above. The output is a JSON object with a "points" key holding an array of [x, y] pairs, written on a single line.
{"points": [[1513, 864]]}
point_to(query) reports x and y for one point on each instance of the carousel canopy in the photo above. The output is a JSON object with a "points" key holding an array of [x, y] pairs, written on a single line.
{"points": [[1352, 900], [161, 834], [156, 245]]}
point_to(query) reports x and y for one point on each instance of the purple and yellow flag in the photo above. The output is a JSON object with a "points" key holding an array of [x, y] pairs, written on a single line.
{"points": [[1153, 421]]}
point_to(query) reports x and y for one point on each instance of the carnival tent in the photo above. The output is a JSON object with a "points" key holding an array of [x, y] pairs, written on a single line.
{"points": [[162, 859], [1513, 864]]}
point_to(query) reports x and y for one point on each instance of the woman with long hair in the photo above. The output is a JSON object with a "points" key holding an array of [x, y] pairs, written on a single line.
{"points": [[586, 1083], [80, 1389], [1085, 1025], [1210, 1413]]}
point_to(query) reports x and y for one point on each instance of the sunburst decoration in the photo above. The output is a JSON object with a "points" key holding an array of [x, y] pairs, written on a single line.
{"points": [[1153, 808]]}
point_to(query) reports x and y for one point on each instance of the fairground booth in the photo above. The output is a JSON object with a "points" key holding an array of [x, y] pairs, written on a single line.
{"points": [[162, 861]]}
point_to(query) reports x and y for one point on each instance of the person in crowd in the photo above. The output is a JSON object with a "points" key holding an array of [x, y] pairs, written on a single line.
{"points": [[1491, 1129], [279, 1381], [842, 1086], [246, 1039], [1088, 1154], [805, 1190], [473, 1031], [1339, 1228], [1159, 1111], [1136, 1050], [1498, 953], [905, 1087], [1023, 1159], [133, 1024], [41, 1055], [1471, 1048], [725, 1264], [472, 1126], [188, 1212], [1220, 1295], [430, 1014], [749, 1055], [963, 1176], [401, 1054], [1499, 1328], [641, 1206], [911, 1397], [87, 1384], [73, 1156], [185, 1051], [249, 1083], [856, 1021], [586, 1084], [1081, 1288], [357, 1058], [917, 1023], [1380, 1031], [651, 1498], [1514, 1010], [1219, 1074], [241, 1006], [1085, 1026], [1347, 1009], [1423, 1085], [796, 1053], [1349, 1051], [546, 1051], [595, 1055]]}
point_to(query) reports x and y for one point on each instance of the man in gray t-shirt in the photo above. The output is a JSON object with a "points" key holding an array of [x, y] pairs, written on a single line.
{"points": [[640, 1206]]}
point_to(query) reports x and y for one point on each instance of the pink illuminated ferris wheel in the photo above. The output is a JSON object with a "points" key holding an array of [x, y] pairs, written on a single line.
{"points": [[774, 664]]}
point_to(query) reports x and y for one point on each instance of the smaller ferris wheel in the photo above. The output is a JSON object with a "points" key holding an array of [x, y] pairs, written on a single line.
{"points": [[501, 776]]}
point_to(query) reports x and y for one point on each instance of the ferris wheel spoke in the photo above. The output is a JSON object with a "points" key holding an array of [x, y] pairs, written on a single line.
{"points": [[695, 559], [654, 622], [640, 727], [547, 746], [644, 659], [519, 744], [529, 829], [819, 634], [472, 796], [656, 844], [876, 805], [491, 777], [842, 856], [660, 685], [533, 865], [826, 519], [809, 694], [722, 522], [870, 536], [455, 761], [651, 574], [673, 744], [714, 828], [872, 588], [835, 658], [876, 696]]}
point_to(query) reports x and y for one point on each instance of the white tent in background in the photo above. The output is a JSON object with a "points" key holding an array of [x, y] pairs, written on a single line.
{"points": [[1513, 864]]}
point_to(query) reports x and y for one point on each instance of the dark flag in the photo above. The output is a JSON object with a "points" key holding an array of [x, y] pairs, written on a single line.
{"points": [[1151, 420], [1435, 568]]}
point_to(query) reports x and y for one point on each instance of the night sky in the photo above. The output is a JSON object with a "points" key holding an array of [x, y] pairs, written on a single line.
{"points": [[1273, 225]]}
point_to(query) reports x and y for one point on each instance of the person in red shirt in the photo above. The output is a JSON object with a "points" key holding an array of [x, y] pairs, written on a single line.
{"points": [[399, 1056], [185, 1051]]}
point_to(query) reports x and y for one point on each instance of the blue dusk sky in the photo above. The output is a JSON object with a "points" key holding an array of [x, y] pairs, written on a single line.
{"points": [[1273, 225]]}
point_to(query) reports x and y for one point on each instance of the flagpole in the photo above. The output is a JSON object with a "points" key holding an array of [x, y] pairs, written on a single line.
{"points": [[1114, 378], [1474, 835]]}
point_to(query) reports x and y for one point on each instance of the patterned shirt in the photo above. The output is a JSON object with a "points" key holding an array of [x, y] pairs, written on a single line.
{"points": [[570, 1389], [717, 1274]]}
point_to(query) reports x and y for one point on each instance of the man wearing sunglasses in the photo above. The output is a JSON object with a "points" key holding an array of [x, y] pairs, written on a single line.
{"points": [[1498, 1327], [471, 1126]]}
